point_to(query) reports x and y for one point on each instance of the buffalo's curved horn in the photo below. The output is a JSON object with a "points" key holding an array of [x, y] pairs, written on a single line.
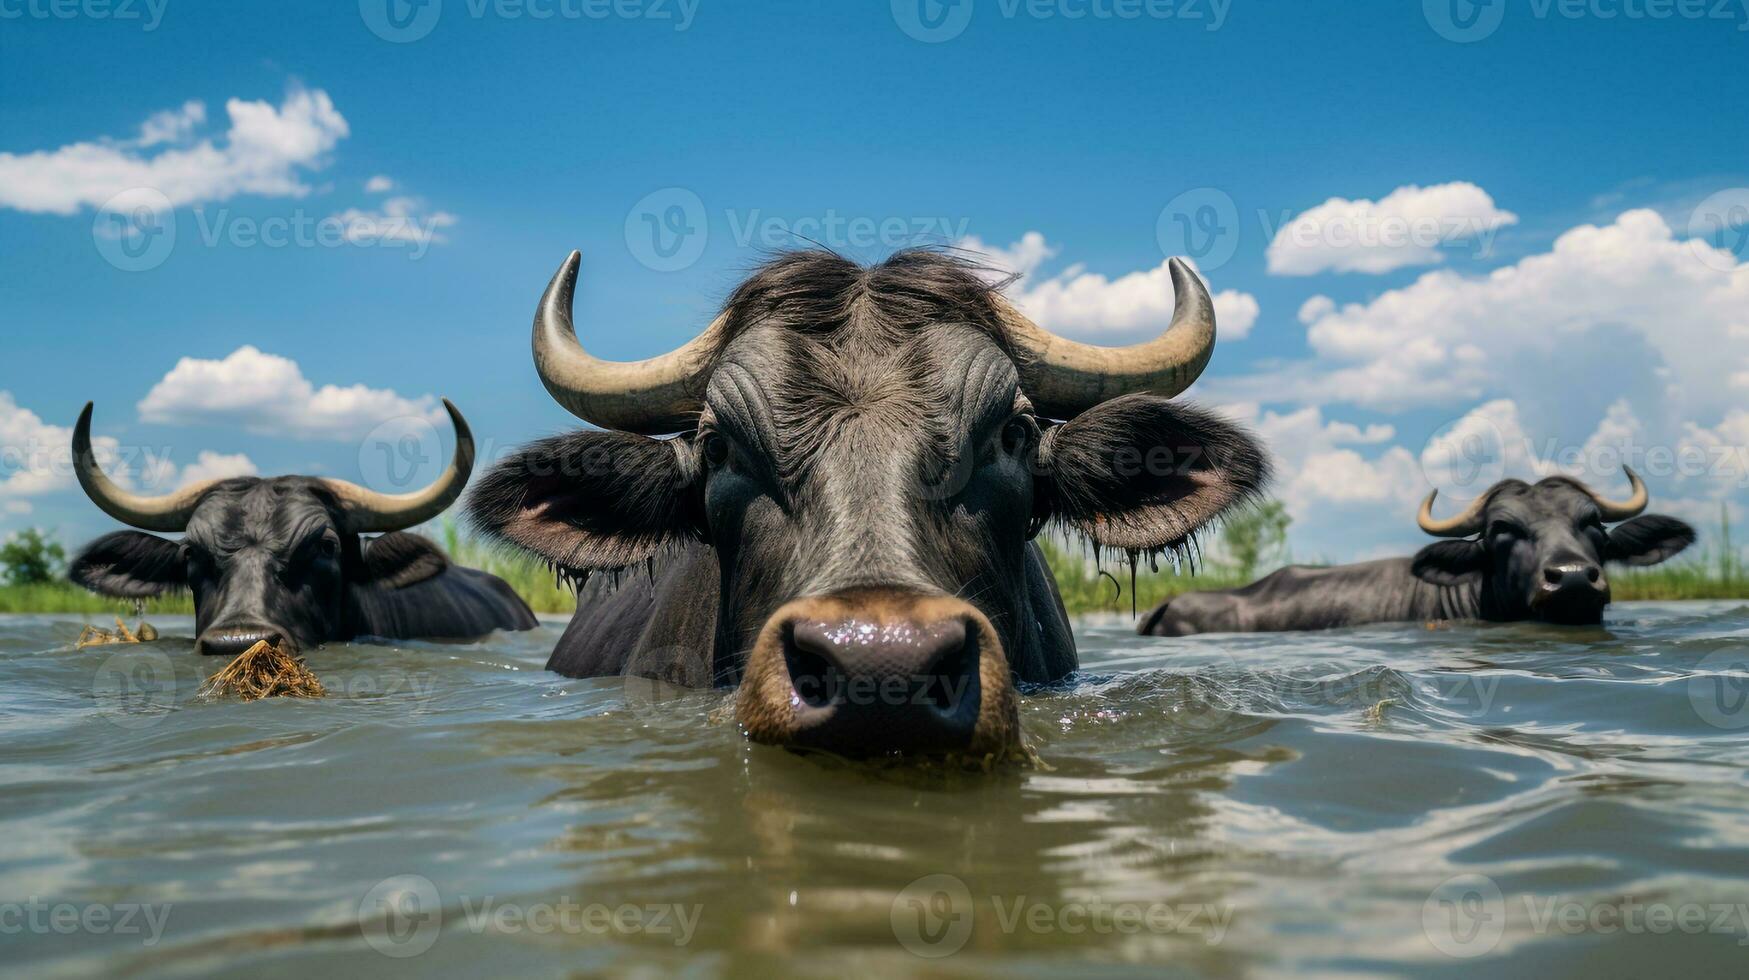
{"points": [[368, 511], [1063, 378], [651, 397], [1461, 526], [1620, 510], [169, 512]]}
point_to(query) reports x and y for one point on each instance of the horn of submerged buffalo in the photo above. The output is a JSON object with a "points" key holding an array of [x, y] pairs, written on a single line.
{"points": [[1461, 526], [1620, 510], [1063, 378], [650, 397], [368, 511], [169, 512]]}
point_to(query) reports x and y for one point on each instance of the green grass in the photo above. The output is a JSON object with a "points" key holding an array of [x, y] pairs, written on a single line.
{"points": [[1715, 572], [65, 597]]}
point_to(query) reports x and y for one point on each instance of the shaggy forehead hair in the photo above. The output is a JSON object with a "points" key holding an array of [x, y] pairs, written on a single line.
{"points": [[818, 292], [247, 509], [815, 344], [1508, 489]]}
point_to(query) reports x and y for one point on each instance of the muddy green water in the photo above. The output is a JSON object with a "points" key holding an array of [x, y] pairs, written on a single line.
{"points": [[1478, 800]]}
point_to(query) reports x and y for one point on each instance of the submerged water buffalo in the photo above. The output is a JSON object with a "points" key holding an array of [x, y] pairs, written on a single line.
{"points": [[1524, 551], [282, 559], [843, 527]]}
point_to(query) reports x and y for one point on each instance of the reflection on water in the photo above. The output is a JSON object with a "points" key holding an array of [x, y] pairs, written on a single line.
{"points": [[1515, 800]]}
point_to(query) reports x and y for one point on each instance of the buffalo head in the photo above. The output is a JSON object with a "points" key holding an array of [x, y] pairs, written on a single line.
{"points": [[867, 453], [275, 559], [1538, 550]]}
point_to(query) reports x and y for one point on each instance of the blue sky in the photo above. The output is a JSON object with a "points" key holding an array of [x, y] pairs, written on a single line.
{"points": [[1423, 219]]}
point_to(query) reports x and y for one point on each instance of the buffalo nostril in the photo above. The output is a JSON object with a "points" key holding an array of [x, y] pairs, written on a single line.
{"points": [[1593, 573], [813, 675], [1553, 575]]}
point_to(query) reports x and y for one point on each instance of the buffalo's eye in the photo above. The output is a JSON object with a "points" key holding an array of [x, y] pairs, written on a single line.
{"points": [[1504, 529], [328, 545], [1017, 435], [715, 449]]}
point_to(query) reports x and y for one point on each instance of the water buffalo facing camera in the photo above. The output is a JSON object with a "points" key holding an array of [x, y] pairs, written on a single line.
{"points": [[1519, 552], [842, 530], [283, 559]]}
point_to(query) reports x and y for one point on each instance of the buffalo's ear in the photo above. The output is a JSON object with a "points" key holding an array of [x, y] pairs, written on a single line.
{"points": [[398, 559], [1449, 562], [130, 565], [590, 500], [1648, 540], [1141, 473]]}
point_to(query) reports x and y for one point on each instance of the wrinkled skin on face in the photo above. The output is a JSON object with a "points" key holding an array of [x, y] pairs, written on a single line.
{"points": [[854, 512], [1542, 552], [270, 560]]}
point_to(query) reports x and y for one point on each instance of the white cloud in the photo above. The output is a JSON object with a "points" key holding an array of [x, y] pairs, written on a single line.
{"points": [[379, 184], [262, 152], [17, 507], [401, 219], [269, 395], [36, 458], [172, 125], [1076, 302], [1318, 466], [1407, 227], [208, 465], [1628, 301]]}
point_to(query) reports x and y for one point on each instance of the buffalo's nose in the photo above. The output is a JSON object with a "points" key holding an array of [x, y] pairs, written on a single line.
{"points": [[232, 640], [867, 686], [1577, 576]]}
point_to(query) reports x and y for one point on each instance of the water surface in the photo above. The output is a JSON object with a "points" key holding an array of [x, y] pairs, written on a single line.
{"points": [[1505, 800]]}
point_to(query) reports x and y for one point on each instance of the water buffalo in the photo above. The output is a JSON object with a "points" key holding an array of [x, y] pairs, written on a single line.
{"points": [[282, 559], [1524, 551], [842, 529]]}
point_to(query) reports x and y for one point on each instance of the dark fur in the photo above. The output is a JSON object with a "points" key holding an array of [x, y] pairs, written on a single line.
{"points": [[254, 558], [872, 434], [1497, 576]]}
